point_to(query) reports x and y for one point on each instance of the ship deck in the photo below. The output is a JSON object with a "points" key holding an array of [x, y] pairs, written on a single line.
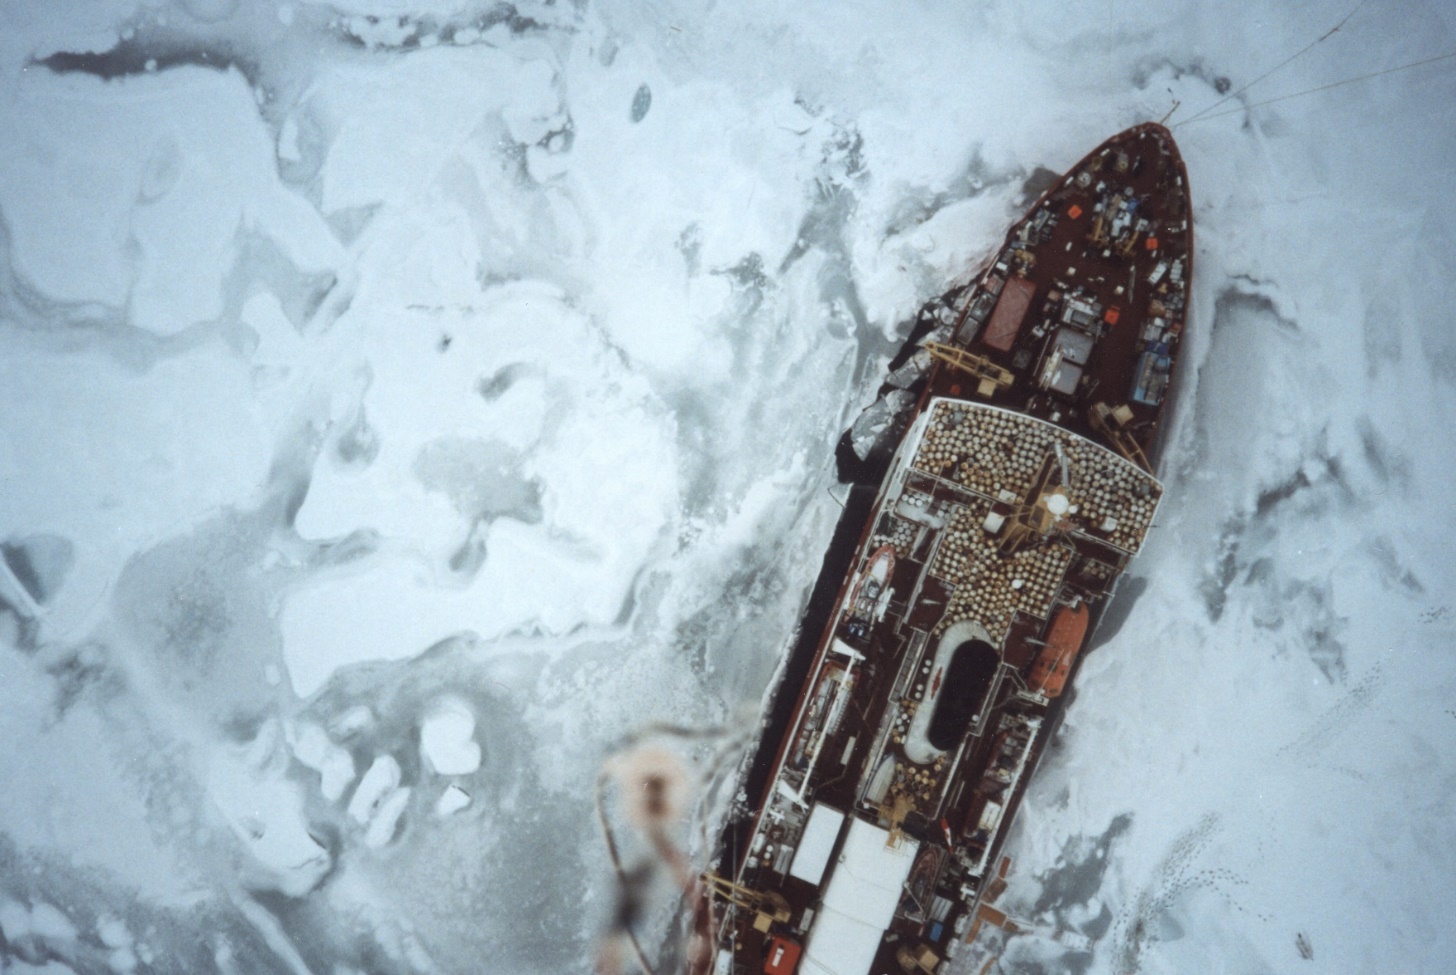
{"points": [[1016, 498], [1101, 277]]}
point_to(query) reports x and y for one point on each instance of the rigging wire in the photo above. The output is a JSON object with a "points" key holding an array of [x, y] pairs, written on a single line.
{"points": [[1317, 41], [1201, 117]]}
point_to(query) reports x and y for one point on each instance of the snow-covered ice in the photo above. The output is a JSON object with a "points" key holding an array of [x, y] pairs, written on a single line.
{"points": [[447, 739], [406, 402]]}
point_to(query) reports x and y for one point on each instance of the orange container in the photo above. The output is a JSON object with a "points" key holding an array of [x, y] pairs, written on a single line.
{"points": [[783, 955]]}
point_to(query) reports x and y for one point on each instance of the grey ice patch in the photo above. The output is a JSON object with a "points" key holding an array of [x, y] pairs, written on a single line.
{"points": [[607, 52], [559, 139], [77, 670], [499, 382], [690, 246], [163, 170], [1240, 305], [1299, 611], [1315, 489], [302, 294], [39, 563], [295, 454], [197, 618], [1077, 876], [824, 228], [470, 556], [1214, 588], [137, 56], [695, 420], [1268, 613], [358, 443], [208, 934], [823, 225], [482, 478], [1273, 496], [641, 103], [1037, 182], [748, 274], [259, 264], [1388, 464], [348, 223], [1382, 340], [300, 160], [19, 628], [341, 551], [25, 306], [1311, 606]]}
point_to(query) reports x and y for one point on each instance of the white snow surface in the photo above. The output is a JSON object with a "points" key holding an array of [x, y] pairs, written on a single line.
{"points": [[478, 367], [447, 740]]}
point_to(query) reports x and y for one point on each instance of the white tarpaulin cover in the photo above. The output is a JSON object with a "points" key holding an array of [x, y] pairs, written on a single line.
{"points": [[860, 901], [817, 843]]}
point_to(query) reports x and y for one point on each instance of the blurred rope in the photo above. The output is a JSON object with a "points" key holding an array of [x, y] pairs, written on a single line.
{"points": [[627, 883], [1312, 44], [632, 882], [1203, 117]]}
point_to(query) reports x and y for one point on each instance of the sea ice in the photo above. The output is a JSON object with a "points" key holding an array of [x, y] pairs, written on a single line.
{"points": [[480, 367]]}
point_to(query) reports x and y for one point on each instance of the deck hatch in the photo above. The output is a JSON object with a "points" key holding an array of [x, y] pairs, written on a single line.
{"points": [[1011, 308], [817, 843]]}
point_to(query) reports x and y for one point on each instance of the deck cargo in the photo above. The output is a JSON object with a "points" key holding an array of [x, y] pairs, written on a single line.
{"points": [[926, 687]]}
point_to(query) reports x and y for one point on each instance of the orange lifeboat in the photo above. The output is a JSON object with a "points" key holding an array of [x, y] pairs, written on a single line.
{"points": [[1064, 639]]}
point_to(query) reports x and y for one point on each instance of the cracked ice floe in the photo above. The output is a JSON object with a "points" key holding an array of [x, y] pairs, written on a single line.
{"points": [[88, 802], [571, 563], [452, 800], [163, 177], [86, 464], [265, 810]]}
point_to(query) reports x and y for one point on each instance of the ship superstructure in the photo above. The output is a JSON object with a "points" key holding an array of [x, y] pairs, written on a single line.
{"points": [[1020, 490]]}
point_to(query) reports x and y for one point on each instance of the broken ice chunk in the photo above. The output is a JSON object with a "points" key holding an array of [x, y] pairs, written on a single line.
{"points": [[352, 721], [265, 812], [451, 801], [374, 789], [313, 747], [386, 822], [447, 741]]}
